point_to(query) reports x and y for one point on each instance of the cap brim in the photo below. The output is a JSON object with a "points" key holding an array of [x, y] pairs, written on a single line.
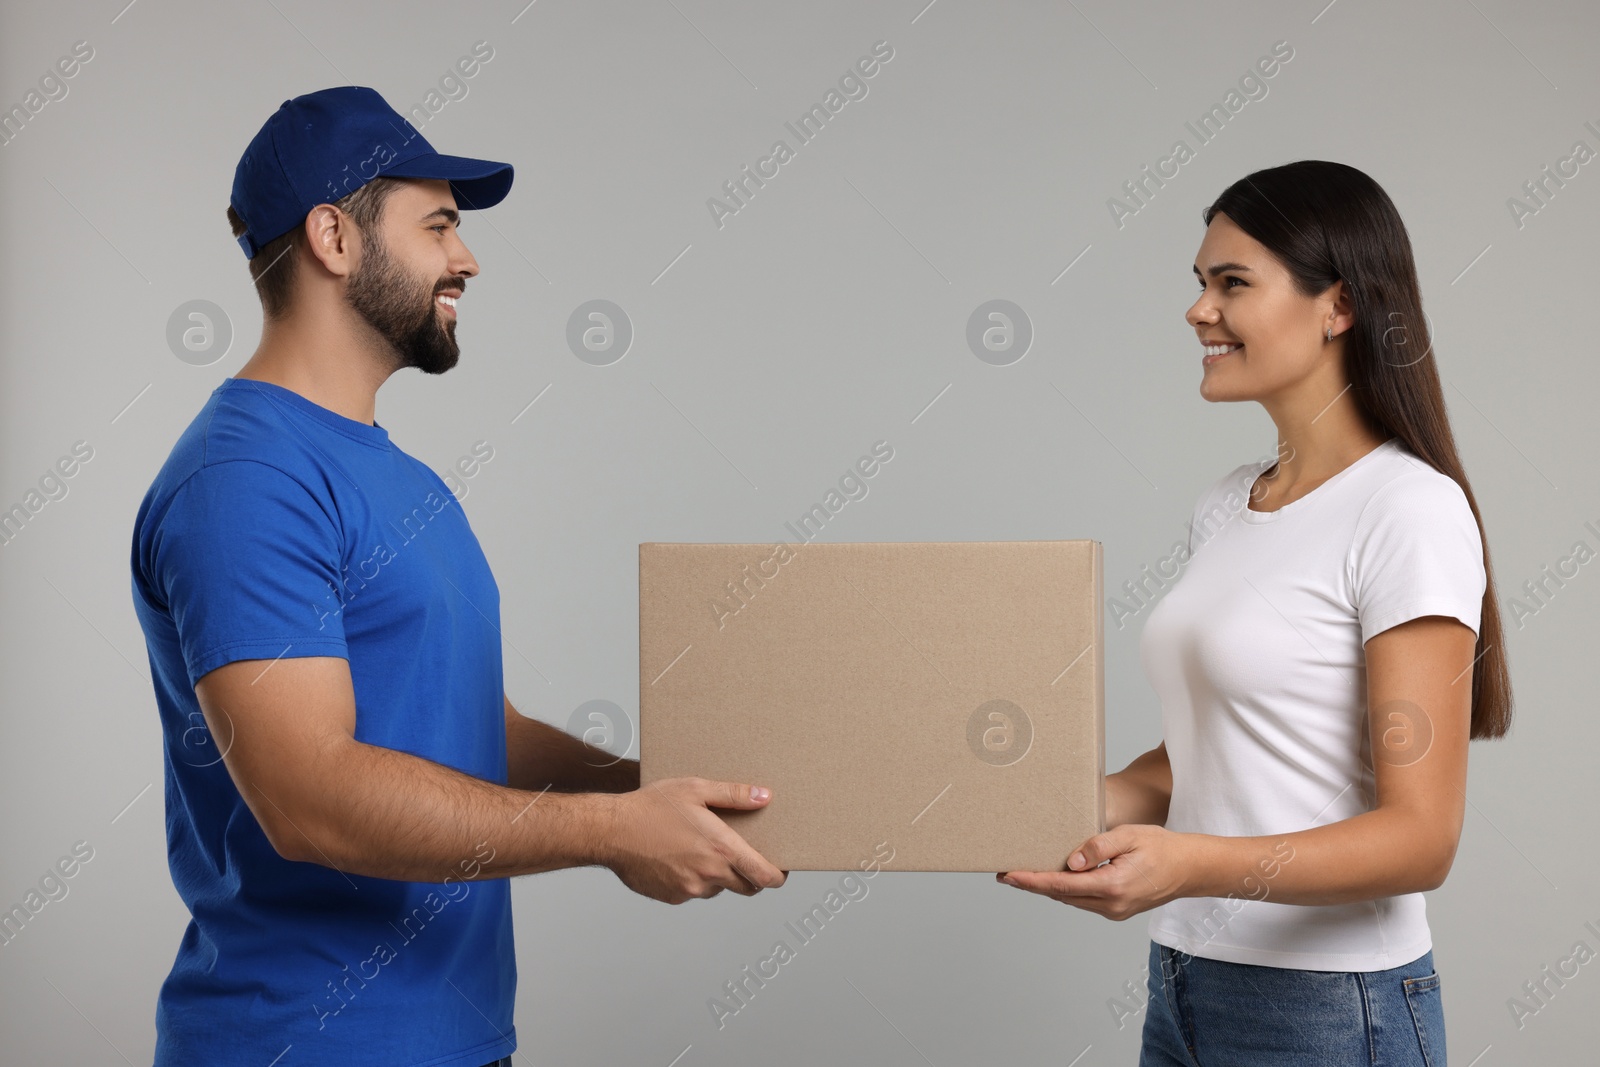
{"points": [[476, 183]]}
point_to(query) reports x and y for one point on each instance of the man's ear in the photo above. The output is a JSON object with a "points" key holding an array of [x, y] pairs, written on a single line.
{"points": [[331, 237]]}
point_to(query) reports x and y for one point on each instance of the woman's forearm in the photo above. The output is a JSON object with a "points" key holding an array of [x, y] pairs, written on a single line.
{"points": [[1379, 853], [1141, 791]]}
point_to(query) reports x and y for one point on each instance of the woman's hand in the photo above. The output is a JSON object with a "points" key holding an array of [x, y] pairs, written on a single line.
{"points": [[1149, 865]]}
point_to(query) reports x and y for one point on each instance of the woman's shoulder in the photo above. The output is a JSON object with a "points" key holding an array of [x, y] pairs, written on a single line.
{"points": [[1406, 499], [1402, 479]]}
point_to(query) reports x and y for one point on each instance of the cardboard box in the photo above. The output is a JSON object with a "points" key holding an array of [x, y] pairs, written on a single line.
{"points": [[945, 700]]}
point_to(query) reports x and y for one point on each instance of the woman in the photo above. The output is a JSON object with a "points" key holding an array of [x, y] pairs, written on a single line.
{"points": [[1330, 648]]}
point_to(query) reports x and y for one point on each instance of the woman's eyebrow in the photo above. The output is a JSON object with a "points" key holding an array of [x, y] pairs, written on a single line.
{"points": [[1219, 268]]}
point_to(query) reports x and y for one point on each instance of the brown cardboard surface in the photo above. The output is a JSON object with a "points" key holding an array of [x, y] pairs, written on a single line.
{"points": [[945, 698]]}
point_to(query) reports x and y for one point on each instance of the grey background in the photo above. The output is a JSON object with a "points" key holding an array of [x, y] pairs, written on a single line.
{"points": [[828, 314]]}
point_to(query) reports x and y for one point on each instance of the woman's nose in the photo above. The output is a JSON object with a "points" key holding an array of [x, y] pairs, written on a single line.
{"points": [[1200, 312]]}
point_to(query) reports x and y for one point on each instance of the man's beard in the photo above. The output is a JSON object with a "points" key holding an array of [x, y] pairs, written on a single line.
{"points": [[403, 312]]}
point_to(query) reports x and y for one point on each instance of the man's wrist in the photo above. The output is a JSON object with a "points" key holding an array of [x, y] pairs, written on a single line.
{"points": [[606, 829]]}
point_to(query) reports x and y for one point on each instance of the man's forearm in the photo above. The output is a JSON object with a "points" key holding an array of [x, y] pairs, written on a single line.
{"points": [[389, 814], [539, 756]]}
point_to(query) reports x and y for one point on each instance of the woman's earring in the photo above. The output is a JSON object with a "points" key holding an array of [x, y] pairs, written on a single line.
{"points": [[1330, 333]]}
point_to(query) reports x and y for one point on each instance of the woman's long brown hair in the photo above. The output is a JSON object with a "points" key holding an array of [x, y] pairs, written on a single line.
{"points": [[1327, 223]]}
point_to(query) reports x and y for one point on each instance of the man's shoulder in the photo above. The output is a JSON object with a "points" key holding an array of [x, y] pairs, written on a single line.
{"points": [[234, 440]]}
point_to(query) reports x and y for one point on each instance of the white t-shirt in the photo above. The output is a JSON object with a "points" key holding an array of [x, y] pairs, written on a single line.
{"points": [[1257, 655]]}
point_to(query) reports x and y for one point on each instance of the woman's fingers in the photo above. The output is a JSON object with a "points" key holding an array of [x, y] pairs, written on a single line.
{"points": [[1061, 884]]}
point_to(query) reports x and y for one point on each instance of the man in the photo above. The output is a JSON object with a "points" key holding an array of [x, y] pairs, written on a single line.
{"points": [[348, 788]]}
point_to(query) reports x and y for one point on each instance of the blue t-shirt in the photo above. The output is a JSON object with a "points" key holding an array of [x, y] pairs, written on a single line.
{"points": [[276, 529]]}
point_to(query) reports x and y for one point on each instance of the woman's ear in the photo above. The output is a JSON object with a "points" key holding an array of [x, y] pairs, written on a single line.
{"points": [[1343, 309]]}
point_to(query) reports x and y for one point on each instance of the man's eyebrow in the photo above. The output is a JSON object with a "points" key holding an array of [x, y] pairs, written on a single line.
{"points": [[449, 214], [1221, 268]]}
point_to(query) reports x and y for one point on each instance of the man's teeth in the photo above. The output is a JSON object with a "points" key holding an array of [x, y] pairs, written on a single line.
{"points": [[1217, 350], [450, 300]]}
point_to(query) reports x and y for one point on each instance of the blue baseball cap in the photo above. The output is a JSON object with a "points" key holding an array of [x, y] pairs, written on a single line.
{"points": [[323, 146]]}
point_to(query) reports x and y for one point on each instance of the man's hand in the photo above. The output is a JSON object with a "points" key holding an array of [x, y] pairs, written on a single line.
{"points": [[668, 845]]}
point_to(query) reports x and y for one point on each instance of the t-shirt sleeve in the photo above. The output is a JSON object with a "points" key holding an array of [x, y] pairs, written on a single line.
{"points": [[248, 562], [1417, 551]]}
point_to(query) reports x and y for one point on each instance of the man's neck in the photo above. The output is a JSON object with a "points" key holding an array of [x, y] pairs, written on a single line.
{"points": [[324, 363]]}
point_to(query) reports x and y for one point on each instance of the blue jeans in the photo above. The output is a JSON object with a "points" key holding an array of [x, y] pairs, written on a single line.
{"points": [[1211, 1013]]}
